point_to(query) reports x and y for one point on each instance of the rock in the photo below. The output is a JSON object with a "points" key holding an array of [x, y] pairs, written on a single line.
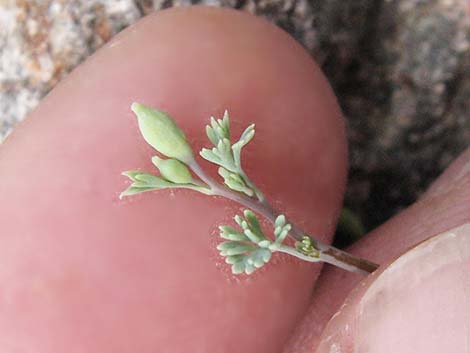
{"points": [[42, 41], [401, 70], [407, 102]]}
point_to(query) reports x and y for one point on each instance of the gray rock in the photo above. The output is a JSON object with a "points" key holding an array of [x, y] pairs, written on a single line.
{"points": [[400, 69], [42, 41], [407, 103]]}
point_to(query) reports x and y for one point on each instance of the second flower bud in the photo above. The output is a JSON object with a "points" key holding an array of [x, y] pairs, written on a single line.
{"points": [[173, 170]]}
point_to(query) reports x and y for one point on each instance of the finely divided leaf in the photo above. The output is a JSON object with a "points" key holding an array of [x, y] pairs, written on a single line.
{"points": [[231, 233], [245, 251], [152, 180], [229, 248], [228, 156], [280, 221], [143, 182], [251, 249], [246, 137], [220, 155], [212, 135], [253, 227], [210, 156], [132, 190], [249, 262], [218, 129], [235, 182], [281, 229]]}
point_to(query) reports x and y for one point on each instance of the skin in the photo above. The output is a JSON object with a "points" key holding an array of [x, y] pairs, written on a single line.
{"points": [[83, 271], [418, 302], [444, 207]]}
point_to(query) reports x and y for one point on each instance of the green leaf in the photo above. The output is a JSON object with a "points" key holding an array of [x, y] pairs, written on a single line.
{"points": [[281, 229], [250, 262], [282, 234], [234, 259], [229, 248], [228, 156], [246, 137], [220, 155], [224, 152], [143, 179], [259, 257], [230, 233], [245, 251], [132, 190], [238, 267], [249, 268], [251, 249], [210, 156], [218, 129], [150, 179], [142, 182], [264, 243], [253, 229], [235, 182], [212, 135], [226, 124], [131, 174], [218, 132], [280, 221]]}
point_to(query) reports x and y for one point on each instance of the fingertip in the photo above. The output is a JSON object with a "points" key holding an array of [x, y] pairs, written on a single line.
{"points": [[193, 63], [418, 302], [445, 206]]}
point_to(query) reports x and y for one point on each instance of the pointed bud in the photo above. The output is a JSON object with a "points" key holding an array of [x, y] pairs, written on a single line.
{"points": [[162, 133], [173, 170]]}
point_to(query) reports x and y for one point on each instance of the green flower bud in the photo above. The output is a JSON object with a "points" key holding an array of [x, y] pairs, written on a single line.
{"points": [[173, 170], [162, 133]]}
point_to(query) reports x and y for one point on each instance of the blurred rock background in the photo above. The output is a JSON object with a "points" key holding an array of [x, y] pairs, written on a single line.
{"points": [[401, 70]]}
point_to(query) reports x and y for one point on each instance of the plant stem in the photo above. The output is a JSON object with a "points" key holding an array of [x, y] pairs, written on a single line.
{"points": [[328, 253]]}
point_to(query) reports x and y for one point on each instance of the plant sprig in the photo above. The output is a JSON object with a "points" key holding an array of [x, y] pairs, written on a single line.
{"points": [[247, 248]]}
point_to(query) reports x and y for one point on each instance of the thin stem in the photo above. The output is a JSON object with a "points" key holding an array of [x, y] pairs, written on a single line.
{"points": [[291, 251], [262, 208], [345, 265], [347, 261], [328, 253]]}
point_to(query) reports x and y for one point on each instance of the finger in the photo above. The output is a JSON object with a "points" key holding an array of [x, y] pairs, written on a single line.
{"points": [[418, 303], [446, 205], [85, 272]]}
